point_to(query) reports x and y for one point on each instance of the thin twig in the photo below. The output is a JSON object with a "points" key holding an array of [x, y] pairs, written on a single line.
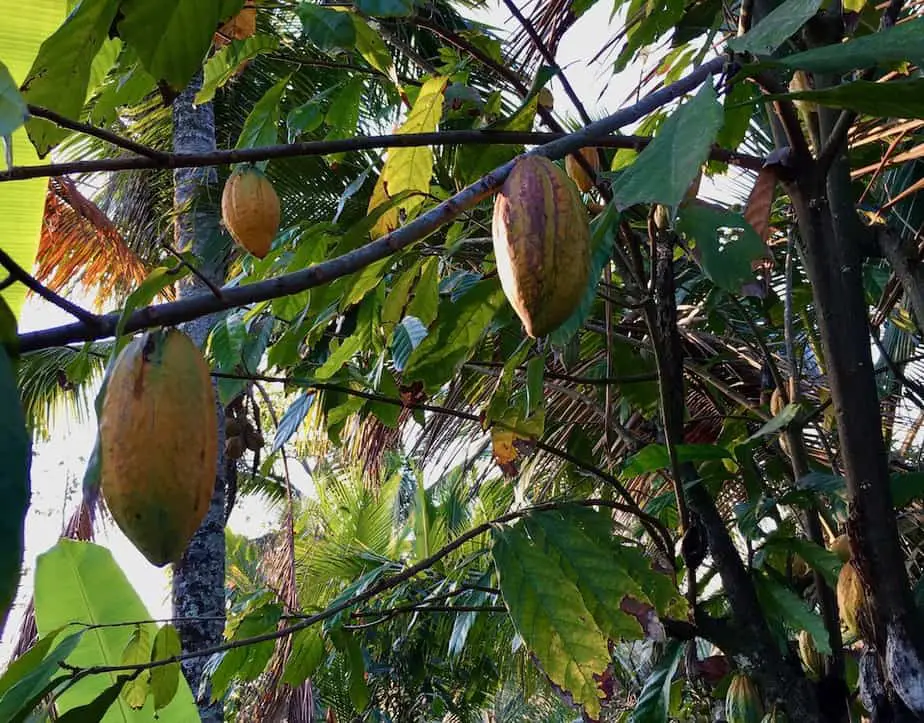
{"points": [[127, 143], [216, 291], [18, 273], [195, 306]]}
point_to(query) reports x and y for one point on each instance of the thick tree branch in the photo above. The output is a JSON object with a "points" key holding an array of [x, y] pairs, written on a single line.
{"points": [[18, 273], [119, 141], [185, 309]]}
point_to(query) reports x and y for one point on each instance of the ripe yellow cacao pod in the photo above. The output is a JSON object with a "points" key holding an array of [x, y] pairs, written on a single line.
{"points": [[250, 210], [851, 598], [158, 442], [742, 701], [577, 172], [812, 660], [541, 236], [777, 403]]}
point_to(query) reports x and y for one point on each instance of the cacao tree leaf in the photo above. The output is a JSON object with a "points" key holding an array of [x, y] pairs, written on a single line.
{"points": [[222, 66], [776, 28], [817, 557], [372, 48], [327, 28], [409, 169], [667, 166], [31, 676], [292, 420], [165, 679], [406, 338], [96, 709], [306, 118], [137, 651], [60, 75], [535, 383], [783, 605], [15, 486], [653, 702], [26, 663], [473, 162], [305, 658], [385, 8], [549, 613], [726, 244], [154, 283], [426, 293], [906, 487], [654, 20], [603, 229], [124, 88], [387, 414], [248, 661], [171, 37], [13, 111], [80, 582], [899, 43], [899, 98], [459, 327], [653, 457], [261, 128], [398, 294]]}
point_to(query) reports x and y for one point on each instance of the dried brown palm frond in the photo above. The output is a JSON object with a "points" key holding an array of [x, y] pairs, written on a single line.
{"points": [[80, 245]]}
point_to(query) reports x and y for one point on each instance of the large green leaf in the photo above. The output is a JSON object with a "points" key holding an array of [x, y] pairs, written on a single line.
{"points": [[248, 661], [35, 675], [726, 244], [79, 582], [60, 76], [663, 172], [307, 654], [782, 605], [13, 111], [15, 451], [171, 37], [551, 616], [899, 98], [409, 169], [326, 27], [261, 128], [459, 327], [895, 45], [22, 204], [222, 66], [653, 703], [773, 30], [385, 8]]}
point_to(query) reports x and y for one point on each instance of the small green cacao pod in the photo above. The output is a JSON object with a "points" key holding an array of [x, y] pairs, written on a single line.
{"points": [[742, 702]]}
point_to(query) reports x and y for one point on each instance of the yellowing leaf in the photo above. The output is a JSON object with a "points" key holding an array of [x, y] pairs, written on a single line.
{"points": [[137, 651], [409, 169]]}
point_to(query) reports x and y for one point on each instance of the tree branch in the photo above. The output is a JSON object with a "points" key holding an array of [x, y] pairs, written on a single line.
{"points": [[185, 309], [18, 273], [101, 133]]}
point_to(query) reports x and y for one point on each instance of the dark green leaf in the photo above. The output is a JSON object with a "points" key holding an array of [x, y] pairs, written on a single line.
{"points": [[327, 28], [60, 76], [13, 110], [426, 293], [305, 118], [906, 487], [15, 451], [247, 662], [222, 66], [473, 162], [165, 679], [171, 37], [818, 558], [776, 28], [887, 47], [406, 338], [663, 172], [535, 383], [262, 125], [785, 606], [654, 457], [726, 244], [385, 8], [899, 98], [292, 420], [460, 325], [96, 709], [652, 704]]}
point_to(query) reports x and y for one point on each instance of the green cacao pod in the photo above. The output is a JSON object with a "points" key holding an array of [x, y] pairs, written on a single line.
{"points": [[250, 210], [812, 660], [541, 236], [158, 441], [742, 702]]}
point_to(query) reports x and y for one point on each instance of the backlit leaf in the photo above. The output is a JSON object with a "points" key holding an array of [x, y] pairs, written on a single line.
{"points": [[222, 66], [776, 28]]}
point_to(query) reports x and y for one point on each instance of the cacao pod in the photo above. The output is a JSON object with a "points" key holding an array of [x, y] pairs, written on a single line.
{"points": [[777, 403], [253, 440], [851, 598], [742, 701], [250, 210], [812, 660], [841, 547], [240, 27], [541, 237], [159, 443], [577, 172]]}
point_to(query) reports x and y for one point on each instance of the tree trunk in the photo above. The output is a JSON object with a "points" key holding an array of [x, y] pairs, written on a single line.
{"points": [[198, 580]]}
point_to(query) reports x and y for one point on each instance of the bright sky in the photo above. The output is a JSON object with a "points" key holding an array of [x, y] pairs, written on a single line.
{"points": [[58, 465]]}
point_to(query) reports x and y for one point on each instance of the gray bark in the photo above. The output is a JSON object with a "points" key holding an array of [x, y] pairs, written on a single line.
{"points": [[199, 578]]}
